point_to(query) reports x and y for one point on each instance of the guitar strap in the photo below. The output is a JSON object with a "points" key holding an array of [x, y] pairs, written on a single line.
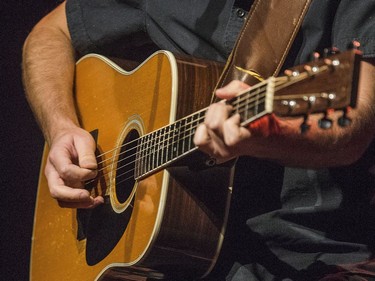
{"points": [[264, 41]]}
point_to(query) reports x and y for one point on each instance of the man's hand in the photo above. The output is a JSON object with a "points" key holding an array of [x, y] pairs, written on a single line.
{"points": [[220, 135], [280, 139], [71, 161]]}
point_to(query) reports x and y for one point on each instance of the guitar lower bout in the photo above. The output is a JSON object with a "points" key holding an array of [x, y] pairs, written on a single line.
{"points": [[154, 222]]}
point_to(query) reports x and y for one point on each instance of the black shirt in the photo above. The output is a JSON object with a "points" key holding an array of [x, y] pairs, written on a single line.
{"points": [[289, 223]]}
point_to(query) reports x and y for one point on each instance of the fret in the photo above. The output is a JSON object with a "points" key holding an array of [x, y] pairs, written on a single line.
{"points": [[168, 144], [144, 154], [151, 152], [147, 154], [178, 138], [137, 158], [157, 152], [247, 98], [187, 131], [164, 146], [196, 120], [172, 140], [160, 147], [175, 139], [250, 104], [186, 135], [182, 135], [159, 161], [140, 157], [256, 107]]}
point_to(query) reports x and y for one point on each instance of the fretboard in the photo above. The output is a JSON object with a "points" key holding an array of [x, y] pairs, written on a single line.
{"points": [[158, 149]]}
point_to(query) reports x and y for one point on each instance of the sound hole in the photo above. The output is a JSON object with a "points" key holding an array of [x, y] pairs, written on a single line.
{"points": [[125, 167]]}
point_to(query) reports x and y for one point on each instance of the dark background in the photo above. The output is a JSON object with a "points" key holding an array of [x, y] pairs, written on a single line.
{"points": [[21, 142]]}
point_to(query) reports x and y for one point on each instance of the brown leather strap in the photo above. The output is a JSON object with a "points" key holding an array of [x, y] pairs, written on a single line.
{"points": [[264, 40]]}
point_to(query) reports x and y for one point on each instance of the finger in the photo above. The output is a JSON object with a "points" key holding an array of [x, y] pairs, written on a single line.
{"points": [[59, 190], [85, 148], [216, 114], [62, 159], [209, 142], [82, 205], [234, 133], [75, 174], [66, 195], [232, 89], [203, 140], [201, 136]]}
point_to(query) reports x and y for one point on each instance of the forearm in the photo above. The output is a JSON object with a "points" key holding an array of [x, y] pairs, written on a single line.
{"points": [[48, 70], [326, 147], [280, 140]]}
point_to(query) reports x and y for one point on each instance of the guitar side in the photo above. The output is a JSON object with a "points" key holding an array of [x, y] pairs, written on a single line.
{"points": [[170, 223]]}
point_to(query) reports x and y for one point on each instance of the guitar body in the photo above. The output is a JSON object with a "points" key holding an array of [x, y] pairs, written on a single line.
{"points": [[169, 224], [165, 208]]}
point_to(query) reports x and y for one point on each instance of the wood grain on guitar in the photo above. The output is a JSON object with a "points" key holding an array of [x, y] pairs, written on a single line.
{"points": [[165, 208]]}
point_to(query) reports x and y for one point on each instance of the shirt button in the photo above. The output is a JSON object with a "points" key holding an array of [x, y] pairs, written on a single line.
{"points": [[240, 13]]}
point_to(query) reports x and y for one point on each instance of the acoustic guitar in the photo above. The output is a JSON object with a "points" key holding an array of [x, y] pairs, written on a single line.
{"points": [[166, 203]]}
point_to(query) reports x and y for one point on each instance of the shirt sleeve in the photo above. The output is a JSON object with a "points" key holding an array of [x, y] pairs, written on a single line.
{"points": [[355, 20], [110, 27]]}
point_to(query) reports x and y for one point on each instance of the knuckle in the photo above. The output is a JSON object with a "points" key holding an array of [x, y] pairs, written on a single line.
{"points": [[65, 172], [54, 194], [231, 141], [213, 124], [63, 204]]}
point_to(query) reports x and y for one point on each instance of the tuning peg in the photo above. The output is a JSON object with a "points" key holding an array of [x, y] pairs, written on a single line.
{"points": [[325, 122], [314, 56], [313, 69], [291, 73], [305, 126], [344, 120], [355, 45], [330, 51]]}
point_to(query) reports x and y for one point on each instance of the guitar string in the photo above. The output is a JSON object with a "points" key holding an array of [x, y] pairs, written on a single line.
{"points": [[239, 101], [165, 140], [279, 80], [279, 84], [116, 148], [241, 104], [131, 163], [144, 136], [144, 143]]}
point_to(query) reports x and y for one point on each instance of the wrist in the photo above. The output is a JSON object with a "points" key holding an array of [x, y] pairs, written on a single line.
{"points": [[59, 128], [266, 126]]}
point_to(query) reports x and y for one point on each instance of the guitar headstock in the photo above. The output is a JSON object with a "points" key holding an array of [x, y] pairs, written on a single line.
{"points": [[325, 84]]}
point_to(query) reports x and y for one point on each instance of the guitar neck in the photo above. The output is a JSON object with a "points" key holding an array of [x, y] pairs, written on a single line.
{"points": [[316, 87], [162, 147]]}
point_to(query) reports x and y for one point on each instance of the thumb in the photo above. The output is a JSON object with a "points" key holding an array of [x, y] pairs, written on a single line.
{"points": [[85, 147], [232, 89]]}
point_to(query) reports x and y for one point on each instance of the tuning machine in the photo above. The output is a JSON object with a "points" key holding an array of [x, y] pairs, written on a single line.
{"points": [[305, 126], [327, 52], [325, 122], [344, 120]]}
